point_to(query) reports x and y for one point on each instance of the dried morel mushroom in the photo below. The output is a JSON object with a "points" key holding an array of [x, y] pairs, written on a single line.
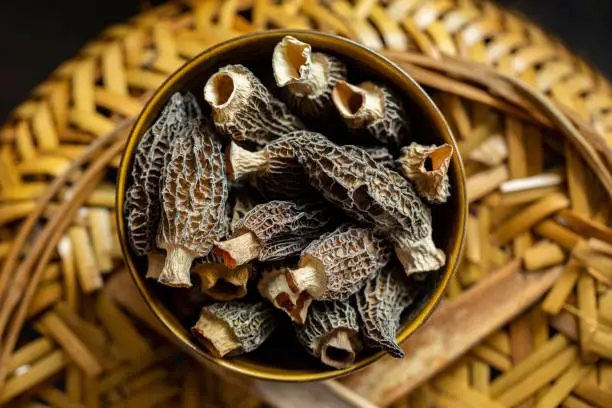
{"points": [[337, 265], [222, 283], [194, 194], [373, 109], [233, 328], [331, 333], [273, 286], [309, 77], [244, 109], [380, 155], [274, 230], [273, 169], [142, 205], [427, 168], [351, 179], [380, 305]]}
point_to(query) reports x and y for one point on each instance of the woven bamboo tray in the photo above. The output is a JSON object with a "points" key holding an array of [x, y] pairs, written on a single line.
{"points": [[527, 320]]}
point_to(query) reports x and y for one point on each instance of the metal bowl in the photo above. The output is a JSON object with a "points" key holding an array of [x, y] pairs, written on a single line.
{"points": [[281, 358]]}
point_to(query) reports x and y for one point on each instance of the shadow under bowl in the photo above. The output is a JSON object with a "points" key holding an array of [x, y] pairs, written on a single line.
{"points": [[281, 358]]}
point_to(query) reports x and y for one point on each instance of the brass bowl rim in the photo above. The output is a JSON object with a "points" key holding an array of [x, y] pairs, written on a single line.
{"points": [[417, 94]]}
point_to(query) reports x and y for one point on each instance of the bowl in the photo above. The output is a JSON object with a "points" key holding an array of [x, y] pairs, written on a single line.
{"points": [[281, 358]]}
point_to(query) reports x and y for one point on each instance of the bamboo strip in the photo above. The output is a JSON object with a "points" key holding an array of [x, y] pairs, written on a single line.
{"points": [[46, 296], [574, 402], [92, 392], [28, 354], [489, 304], [600, 342], [51, 273], [527, 196], [467, 395], [491, 152], [444, 401], [587, 302], [565, 323], [509, 379], [592, 258], [483, 183], [593, 394], [74, 382], [39, 372], [71, 291], [102, 237], [14, 211], [605, 308], [145, 379], [544, 374], [492, 357], [605, 375], [528, 217], [484, 228], [539, 328], [543, 255], [555, 232], [544, 181], [130, 343], [56, 398], [584, 226], [420, 397], [88, 271], [576, 181], [564, 385], [472, 241], [102, 196], [481, 377], [553, 303], [73, 346], [157, 393], [191, 396], [500, 341]]}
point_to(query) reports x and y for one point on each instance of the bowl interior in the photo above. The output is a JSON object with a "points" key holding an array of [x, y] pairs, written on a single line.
{"points": [[281, 357]]}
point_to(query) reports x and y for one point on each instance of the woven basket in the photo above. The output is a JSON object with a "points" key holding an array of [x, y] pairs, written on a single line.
{"points": [[528, 319]]}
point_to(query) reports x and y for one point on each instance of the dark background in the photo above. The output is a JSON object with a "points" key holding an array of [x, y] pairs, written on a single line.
{"points": [[37, 35]]}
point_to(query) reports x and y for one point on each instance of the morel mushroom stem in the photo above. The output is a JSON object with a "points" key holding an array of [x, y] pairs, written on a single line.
{"points": [[227, 93], [291, 61], [306, 279], [216, 335], [240, 161], [156, 261], [273, 286], [238, 251], [177, 267], [360, 106], [418, 256], [221, 283], [427, 168], [339, 349]]}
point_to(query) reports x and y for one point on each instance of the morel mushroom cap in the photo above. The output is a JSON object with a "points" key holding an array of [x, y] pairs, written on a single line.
{"points": [[373, 108], [331, 333], [380, 155], [244, 109], [274, 230], [380, 305], [427, 168], [273, 286], [337, 265], [194, 195], [222, 283], [348, 177], [142, 205], [233, 328], [274, 171], [309, 77]]}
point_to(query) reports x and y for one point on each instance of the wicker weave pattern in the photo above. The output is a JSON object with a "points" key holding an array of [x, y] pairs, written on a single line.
{"points": [[62, 272]]}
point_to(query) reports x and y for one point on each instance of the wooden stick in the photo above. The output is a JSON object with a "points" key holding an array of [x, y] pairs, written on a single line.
{"points": [[500, 341], [542, 181], [39, 372], [553, 303], [590, 257], [539, 328], [484, 229], [489, 304], [584, 226], [71, 290], [481, 377], [528, 217], [467, 395], [155, 394], [146, 378], [526, 196], [74, 382], [555, 232], [46, 296], [593, 394]]}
